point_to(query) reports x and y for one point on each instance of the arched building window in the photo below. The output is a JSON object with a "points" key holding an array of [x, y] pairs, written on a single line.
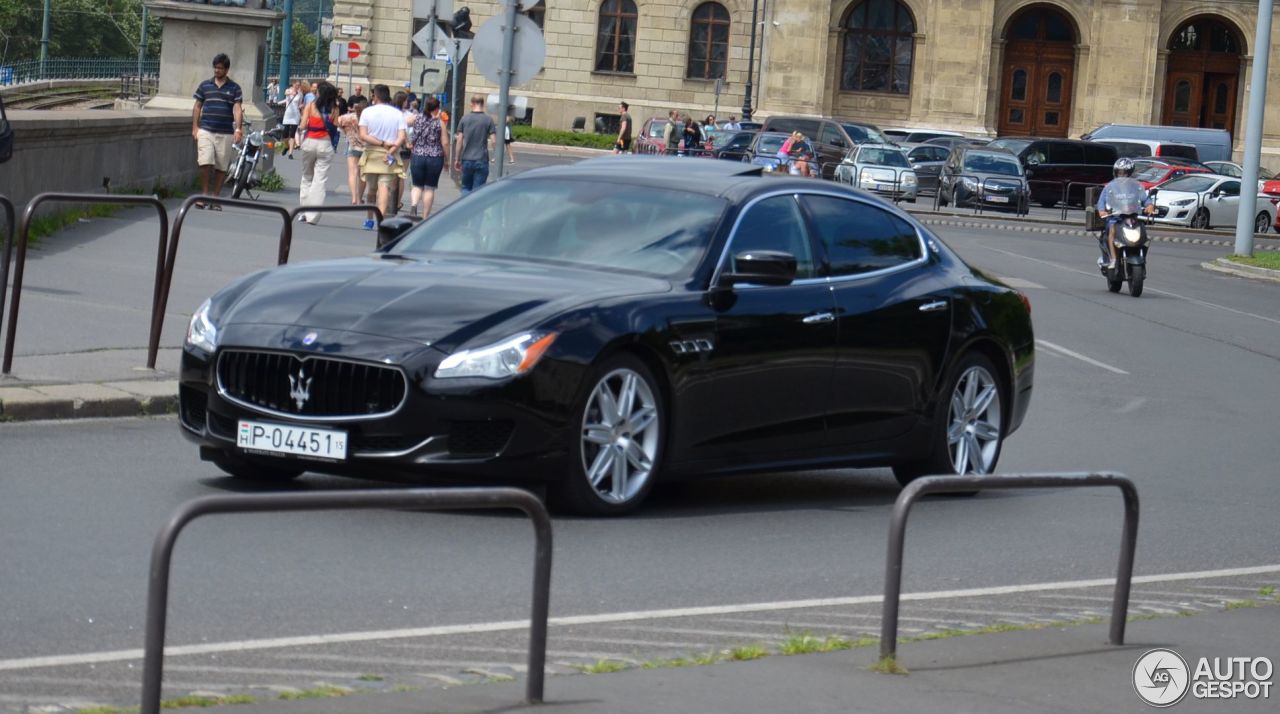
{"points": [[879, 46], [616, 37], [708, 41]]}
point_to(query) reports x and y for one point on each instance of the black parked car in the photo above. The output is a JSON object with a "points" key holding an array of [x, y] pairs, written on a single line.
{"points": [[732, 145], [1060, 167], [927, 161], [605, 325], [977, 175]]}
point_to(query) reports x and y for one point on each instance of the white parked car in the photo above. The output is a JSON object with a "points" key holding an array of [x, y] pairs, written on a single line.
{"points": [[1234, 170], [879, 168], [1207, 200]]}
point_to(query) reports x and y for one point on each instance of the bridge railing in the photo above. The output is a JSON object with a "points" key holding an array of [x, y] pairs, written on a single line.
{"points": [[75, 68]]}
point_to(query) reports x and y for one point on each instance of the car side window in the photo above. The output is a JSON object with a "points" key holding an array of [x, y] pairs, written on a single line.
{"points": [[861, 238], [1064, 153], [774, 223], [831, 135], [1230, 188], [937, 154]]}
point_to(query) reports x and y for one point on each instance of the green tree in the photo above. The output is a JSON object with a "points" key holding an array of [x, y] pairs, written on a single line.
{"points": [[77, 28], [304, 45]]}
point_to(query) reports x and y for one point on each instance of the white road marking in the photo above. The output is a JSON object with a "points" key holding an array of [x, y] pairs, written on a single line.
{"points": [[1133, 405], [1089, 360], [514, 625], [1017, 283]]}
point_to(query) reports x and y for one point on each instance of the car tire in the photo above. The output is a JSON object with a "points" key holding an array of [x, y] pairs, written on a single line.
{"points": [[1262, 223], [1047, 204], [975, 385], [616, 449], [240, 467], [942, 199], [1200, 220]]}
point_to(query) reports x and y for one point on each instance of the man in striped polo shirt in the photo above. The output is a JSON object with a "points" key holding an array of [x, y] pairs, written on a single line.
{"points": [[216, 121]]}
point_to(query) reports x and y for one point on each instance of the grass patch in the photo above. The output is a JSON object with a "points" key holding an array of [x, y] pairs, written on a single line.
{"points": [[539, 135], [105, 710], [806, 643], [604, 666], [371, 678], [708, 658], [1267, 591], [888, 665], [1141, 618], [49, 223], [321, 692], [270, 182], [1241, 604], [666, 663], [745, 654], [1260, 259], [405, 688]]}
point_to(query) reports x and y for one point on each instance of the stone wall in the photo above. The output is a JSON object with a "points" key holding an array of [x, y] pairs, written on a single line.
{"points": [[76, 151]]}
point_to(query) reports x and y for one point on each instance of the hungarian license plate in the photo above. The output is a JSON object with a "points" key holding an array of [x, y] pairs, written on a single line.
{"points": [[329, 444], [998, 199]]}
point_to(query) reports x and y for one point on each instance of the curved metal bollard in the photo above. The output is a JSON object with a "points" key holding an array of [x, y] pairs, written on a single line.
{"points": [[24, 226], [7, 247], [424, 499], [951, 484]]}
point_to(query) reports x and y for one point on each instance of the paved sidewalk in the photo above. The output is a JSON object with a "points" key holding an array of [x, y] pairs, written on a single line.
{"points": [[1069, 669]]}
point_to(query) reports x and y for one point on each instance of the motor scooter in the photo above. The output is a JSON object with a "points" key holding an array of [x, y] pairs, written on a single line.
{"points": [[1132, 243]]}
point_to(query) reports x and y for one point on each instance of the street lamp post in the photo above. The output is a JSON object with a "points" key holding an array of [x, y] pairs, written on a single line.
{"points": [[44, 39], [751, 55], [320, 29]]}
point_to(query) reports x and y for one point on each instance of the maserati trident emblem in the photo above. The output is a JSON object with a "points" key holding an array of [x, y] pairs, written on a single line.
{"points": [[300, 387], [309, 339]]}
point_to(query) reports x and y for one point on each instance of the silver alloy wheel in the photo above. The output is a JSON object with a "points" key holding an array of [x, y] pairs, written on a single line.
{"points": [[973, 434], [1262, 223], [620, 432]]}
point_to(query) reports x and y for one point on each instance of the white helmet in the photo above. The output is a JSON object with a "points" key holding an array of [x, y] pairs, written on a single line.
{"points": [[1123, 165]]}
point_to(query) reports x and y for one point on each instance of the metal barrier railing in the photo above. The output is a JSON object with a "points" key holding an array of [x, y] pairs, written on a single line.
{"points": [[895, 192], [24, 227], [166, 274], [7, 246], [956, 180], [1066, 195], [952, 484], [425, 499], [359, 207], [1059, 191]]}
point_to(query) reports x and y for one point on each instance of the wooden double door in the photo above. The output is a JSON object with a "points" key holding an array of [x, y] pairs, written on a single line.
{"points": [[1200, 96], [1035, 94]]}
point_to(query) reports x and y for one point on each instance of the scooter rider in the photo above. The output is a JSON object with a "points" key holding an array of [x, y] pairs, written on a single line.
{"points": [[1123, 182]]}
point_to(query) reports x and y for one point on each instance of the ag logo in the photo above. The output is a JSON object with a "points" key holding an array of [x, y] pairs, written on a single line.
{"points": [[1161, 678]]}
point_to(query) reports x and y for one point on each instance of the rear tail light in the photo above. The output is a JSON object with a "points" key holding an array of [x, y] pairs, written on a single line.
{"points": [[1159, 150], [1026, 301]]}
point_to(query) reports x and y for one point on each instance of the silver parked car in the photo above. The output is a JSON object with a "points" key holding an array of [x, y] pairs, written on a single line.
{"points": [[879, 168]]}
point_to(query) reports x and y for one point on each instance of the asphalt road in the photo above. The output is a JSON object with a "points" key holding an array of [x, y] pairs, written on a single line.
{"points": [[1175, 389]]}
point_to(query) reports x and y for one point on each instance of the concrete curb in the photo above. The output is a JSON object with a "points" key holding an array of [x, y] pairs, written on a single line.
{"points": [[79, 401], [1225, 265], [557, 149]]}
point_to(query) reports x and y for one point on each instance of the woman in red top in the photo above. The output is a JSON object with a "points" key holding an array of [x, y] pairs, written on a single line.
{"points": [[317, 148]]}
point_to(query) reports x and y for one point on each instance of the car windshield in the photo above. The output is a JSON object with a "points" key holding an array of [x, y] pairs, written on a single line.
{"points": [[591, 223], [1190, 184], [864, 134], [656, 127], [992, 164], [882, 157], [770, 143], [1013, 146]]}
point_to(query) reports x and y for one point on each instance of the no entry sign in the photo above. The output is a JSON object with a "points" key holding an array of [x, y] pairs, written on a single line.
{"points": [[353, 50]]}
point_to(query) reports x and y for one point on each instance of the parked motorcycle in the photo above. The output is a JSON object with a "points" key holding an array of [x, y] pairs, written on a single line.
{"points": [[245, 172], [1131, 241]]}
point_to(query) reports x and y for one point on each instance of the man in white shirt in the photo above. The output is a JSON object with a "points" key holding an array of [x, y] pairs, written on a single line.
{"points": [[732, 124], [382, 129]]}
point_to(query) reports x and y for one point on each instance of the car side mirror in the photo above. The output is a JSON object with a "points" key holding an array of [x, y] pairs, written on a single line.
{"points": [[761, 267], [392, 228], [1217, 193]]}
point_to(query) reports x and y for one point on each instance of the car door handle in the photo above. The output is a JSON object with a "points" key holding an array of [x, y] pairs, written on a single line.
{"points": [[934, 306], [819, 318]]}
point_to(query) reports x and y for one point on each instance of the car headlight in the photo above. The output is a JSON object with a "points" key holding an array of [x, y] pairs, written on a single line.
{"points": [[1183, 202], [508, 358], [908, 179], [969, 183], [201, 332]]}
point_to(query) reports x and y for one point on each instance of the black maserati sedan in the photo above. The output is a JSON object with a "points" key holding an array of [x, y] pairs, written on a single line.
{"points": [[602, 326]]}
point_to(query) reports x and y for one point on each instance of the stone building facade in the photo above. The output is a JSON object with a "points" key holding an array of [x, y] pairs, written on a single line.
{"points": [[1042, 67]]}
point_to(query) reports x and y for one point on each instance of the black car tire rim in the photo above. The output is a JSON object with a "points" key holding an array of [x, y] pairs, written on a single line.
{"points": [[1262, 223], [621, 432], [974, 425]]}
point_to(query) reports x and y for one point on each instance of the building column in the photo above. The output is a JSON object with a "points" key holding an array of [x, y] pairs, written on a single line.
{"points": [[1157, 90], [1080, 121], [992, 111], [355, 12]]}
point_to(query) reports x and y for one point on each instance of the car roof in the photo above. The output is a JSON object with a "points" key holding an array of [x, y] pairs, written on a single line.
{"points": [[709, 177]]}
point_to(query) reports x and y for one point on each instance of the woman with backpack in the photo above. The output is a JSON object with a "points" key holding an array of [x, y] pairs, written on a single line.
{"points": [[320, 138]]}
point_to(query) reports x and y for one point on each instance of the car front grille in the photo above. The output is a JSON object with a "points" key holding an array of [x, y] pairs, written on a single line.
{"points": [[310, 387]]}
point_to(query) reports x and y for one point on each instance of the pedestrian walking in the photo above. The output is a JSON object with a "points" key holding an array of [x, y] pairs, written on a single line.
{"points": [[692, 135], [430, 155], [217, 121], [671, 133], [401, 102], [508, 139], [293, 102], [349, 124], [382, 130], [732, 124], [318, 144], [471, 146], [273, 90], [623, 145]]}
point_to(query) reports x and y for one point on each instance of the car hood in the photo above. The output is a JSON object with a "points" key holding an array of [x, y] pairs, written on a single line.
{"points": [[1166, 196], [443, 302]]}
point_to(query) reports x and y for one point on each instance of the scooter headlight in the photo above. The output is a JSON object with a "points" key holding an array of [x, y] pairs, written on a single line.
{"points": [[1131, 236]]}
